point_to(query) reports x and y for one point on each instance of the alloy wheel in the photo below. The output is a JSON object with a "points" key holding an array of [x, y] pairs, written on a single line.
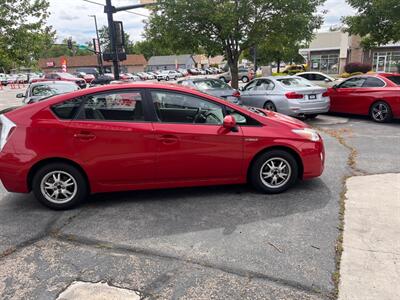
{"points": [[275, 172], [58, 187], [380, 112]]}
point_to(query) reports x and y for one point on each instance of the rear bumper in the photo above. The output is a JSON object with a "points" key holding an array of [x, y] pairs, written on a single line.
{"points": [[298, 108], [14, 171]]}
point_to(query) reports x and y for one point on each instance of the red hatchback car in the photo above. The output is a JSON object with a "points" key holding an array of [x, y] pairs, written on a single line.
{"points": [[375, 95], [146, 136]]}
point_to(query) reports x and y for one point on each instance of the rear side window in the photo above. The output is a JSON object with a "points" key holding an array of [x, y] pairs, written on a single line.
{"points": [[67, 110], [116, 106], [373, 82], [395, 79]]}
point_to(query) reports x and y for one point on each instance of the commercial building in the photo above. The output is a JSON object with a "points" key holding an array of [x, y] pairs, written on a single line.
{"points": [[133, 63], [171, 62], [329, 52]]}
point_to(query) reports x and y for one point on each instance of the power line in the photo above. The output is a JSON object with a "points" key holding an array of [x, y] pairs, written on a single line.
{"points": [[127, 11]]}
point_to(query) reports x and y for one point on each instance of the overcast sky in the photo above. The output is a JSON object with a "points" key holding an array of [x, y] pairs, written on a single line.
{"points": [[71, 17]]}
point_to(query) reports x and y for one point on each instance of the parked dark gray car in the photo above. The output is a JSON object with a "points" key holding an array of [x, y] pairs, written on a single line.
{"points": [[214, 87]]}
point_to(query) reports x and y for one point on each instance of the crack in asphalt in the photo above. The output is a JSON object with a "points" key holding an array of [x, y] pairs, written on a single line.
{"points": [[123, 249]]}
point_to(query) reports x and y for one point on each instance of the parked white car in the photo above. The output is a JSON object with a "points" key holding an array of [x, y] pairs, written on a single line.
{"points": [[168, 75], [320, 79]]}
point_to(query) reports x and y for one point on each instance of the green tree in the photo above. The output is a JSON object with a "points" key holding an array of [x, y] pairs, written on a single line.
{"points": [[230, 26], [377, 21], [55, 49], [23, 32], [106, 44]]}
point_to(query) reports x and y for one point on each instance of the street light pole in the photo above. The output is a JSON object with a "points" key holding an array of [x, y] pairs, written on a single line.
{"points": [[100, 54]]}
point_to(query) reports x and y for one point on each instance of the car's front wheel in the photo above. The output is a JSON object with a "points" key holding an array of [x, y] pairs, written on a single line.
{"points": [[274, 172], [245, 79], [59, 186], [381, 112]]}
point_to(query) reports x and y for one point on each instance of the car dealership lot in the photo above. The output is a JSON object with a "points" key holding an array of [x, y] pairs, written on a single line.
{"points": [[221, 242]]}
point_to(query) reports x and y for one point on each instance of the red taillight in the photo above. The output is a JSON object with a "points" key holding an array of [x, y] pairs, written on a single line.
{"points": [[294, 95], [326, 94], [236, 94]]}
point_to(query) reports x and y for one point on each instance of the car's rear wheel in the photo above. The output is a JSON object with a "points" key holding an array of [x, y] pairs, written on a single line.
{"points": [[223, 79], [59, 186], [274, 172], [381, 112], [269, 105]]}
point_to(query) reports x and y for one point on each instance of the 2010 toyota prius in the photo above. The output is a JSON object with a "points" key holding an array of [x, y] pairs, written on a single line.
{"points": [[146, 136]]}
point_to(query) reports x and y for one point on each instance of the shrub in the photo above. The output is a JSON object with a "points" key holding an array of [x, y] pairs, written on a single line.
{"points": [[345, 75], [357, 67], [356, 74]]}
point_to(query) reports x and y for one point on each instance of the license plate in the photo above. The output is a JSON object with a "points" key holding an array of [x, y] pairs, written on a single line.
{"points": [[312, 97]]}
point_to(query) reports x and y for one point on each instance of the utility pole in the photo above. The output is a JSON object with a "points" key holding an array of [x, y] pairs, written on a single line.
{"points": [[99, 54], [110, 10]]}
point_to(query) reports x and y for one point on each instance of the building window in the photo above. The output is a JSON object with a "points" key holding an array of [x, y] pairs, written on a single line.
{"points": [[386, 62], [325, 63]]}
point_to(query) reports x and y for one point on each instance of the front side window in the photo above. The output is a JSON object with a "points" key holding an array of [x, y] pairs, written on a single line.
{"points": [[67, 110], [115, 106], [174, 107], [353, 83]]}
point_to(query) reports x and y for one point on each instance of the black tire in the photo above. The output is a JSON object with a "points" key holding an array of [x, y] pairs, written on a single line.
{"points": [[311, 116], [275, 156], [269, 105], [381, 112], [245, 79], [167, 78], [223, 79], [81, 191]]}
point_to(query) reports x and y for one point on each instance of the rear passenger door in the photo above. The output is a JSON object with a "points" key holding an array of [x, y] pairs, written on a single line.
{"points": [[114, 138]]}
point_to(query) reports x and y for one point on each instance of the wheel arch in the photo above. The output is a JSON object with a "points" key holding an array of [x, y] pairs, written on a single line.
{"points": [[46, 161], [288, 149]]}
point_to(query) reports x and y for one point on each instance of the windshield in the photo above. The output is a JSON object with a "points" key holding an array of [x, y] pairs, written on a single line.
{"points": [[211, 85], [295, 82], [44, 90], [395, 79]]}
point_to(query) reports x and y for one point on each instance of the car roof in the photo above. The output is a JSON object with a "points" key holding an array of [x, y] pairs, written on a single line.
{"points": [[58, 82]]}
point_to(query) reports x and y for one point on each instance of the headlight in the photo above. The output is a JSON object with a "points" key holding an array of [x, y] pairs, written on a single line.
{"points": [[307, 133]]}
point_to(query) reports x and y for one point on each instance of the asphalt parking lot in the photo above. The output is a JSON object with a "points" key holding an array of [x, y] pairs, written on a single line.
{"points": [[200, 243]]}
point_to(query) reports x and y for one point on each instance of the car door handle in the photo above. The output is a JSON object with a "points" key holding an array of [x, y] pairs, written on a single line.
{"points": [[85, 136], [168, 139]]}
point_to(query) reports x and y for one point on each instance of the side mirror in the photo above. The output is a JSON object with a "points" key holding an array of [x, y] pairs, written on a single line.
{"points": [[335, 86], [20, 95], [327, 80], [229, 122]]}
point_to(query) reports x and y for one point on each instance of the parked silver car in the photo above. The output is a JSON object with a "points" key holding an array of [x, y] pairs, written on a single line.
{"points": [[214, 87], [44, 89], [244, 75], [290, 95]]}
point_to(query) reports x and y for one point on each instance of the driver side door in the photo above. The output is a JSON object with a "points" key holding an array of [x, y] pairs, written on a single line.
{"points": [[192, 144], [344, 97]]}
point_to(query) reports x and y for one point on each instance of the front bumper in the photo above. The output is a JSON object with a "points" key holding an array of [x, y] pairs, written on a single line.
{"points": [[313, 156]]}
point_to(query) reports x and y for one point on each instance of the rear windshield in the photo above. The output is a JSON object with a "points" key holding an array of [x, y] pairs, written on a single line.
{"points": [[52, 89], [295, 82], [395, 79], [211, 84]]}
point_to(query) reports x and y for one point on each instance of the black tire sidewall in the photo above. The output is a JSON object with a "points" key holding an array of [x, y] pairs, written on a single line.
{"points": [[270, 102], [79, 178], [245, 79], [259, 162], [389, 116]]}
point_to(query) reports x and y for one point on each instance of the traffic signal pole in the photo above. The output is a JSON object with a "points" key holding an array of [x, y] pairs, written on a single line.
{"points": [[110, 10]]}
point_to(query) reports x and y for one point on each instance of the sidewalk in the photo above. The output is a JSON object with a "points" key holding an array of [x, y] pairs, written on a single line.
{"points": [[370, 265]]}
